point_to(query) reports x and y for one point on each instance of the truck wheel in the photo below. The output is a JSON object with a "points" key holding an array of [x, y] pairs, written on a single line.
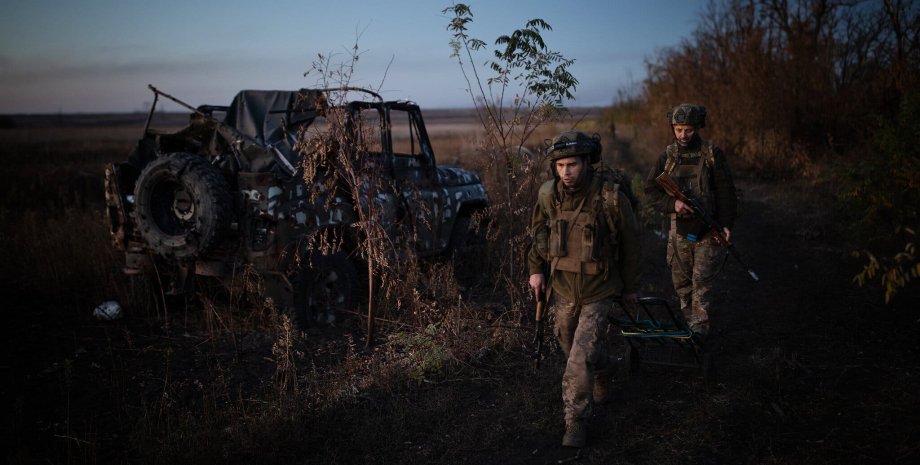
{"points": [[467, 249], [324, 285], [182, 205]]}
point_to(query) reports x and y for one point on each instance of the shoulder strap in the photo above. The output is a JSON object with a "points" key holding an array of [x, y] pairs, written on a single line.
{"points": [[611, 195], [672, 159], [706, 159], [610, 191], [708, 154], [547, 199]]}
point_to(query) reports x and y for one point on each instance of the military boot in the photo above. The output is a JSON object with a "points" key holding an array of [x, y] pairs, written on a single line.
{"points": [[576, 433], [603, 389], [700, 329]]}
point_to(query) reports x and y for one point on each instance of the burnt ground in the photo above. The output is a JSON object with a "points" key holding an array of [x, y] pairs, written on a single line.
{"points": [[813, 370]]}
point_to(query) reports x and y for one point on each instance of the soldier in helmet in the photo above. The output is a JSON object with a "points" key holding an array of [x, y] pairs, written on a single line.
{"points": [[587, 236], [701, 170]]}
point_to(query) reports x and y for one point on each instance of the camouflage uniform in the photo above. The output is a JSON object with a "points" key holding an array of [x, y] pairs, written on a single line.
{"points": [[584, 333], [691, 271], [693, 263], [584, 301]]}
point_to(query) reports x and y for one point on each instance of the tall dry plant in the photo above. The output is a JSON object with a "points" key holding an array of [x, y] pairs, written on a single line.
{"points": [[540, 82], [345, 162], [286, 355]]}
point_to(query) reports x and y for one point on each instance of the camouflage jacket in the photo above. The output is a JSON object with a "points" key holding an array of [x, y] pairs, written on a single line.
{"points": [[723, 187], [623, 269]]}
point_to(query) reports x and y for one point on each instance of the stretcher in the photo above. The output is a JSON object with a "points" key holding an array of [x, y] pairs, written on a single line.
{"points": [[661, 341]]}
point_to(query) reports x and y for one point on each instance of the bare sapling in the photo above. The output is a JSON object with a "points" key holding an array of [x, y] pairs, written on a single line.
{"points": [[526, 89]]}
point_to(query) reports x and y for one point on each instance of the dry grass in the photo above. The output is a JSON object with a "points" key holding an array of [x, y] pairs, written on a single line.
{"points": [[225, 381], [54, 236], [53, 232]]}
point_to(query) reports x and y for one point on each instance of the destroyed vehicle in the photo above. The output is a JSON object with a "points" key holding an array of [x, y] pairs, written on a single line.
{"points": [[228, 193]]}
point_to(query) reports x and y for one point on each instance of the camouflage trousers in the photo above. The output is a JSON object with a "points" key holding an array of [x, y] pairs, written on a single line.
{"points": [[692, 270], [583, 332]]}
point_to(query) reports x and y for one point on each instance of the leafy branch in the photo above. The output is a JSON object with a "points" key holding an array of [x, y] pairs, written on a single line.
{"points": [[894, 272], [525, 59]]}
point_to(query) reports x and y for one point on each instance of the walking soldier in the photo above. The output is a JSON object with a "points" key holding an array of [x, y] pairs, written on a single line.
{"points": [[701, 171], [586, 234]]}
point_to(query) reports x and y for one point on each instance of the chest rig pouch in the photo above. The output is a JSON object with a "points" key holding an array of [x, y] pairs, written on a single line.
{"points": [[693, 174], [573, 239]]}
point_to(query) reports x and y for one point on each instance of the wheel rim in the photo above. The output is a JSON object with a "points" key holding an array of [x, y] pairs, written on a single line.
{"points": [[173, 208], [182, 206]]}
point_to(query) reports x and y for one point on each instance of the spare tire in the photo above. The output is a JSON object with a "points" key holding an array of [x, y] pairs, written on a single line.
{"points": [[182, 205]]}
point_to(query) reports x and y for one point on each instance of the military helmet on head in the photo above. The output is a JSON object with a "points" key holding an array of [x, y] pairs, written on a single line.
{"points": [[686, 113], [573, 144]]}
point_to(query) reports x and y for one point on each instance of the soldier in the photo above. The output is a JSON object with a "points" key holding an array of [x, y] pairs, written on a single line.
{"points": [[701, 170], [587, 236]]}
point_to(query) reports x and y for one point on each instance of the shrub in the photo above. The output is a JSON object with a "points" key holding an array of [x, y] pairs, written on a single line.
{"points": [[424, 353], [880, 197]]}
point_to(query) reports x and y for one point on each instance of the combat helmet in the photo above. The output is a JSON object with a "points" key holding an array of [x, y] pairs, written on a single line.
{"points": [[575, 143], [686, 113]]}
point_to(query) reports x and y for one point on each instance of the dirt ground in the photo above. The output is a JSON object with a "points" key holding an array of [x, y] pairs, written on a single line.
{"points": [[812, 370]]}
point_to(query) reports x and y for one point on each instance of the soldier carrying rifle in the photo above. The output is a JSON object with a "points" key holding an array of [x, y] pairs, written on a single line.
{"points": [[700, 170], [586, 234]]}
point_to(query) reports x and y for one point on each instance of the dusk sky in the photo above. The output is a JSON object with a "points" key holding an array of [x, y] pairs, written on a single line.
{"points": [[98, 56]]}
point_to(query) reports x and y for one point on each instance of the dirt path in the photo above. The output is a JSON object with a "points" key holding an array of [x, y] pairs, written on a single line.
{"points": [[813, 370]]}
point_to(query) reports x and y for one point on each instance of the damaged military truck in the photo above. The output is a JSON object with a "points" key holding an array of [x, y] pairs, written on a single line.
{"points": [[228, 192]]}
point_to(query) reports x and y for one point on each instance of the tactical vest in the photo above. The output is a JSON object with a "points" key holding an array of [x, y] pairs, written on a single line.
{"points": [[693, 174], [580, 241]]}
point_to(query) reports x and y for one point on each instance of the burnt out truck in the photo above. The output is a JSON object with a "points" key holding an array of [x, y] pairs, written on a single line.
{"points": [[227, 194]]}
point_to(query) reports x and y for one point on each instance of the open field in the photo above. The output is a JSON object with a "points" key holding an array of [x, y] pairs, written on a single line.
{"points": [[813, 369]]}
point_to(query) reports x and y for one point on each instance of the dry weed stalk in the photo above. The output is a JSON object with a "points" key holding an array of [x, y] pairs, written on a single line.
{"points": [[286, 355], [343, 159]]}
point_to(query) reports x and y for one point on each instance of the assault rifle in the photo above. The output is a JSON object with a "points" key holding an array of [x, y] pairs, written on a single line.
{"points": [[542, 300], [538, 338], [671, 187]]}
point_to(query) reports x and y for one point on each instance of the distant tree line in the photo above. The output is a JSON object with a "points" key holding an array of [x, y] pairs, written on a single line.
{"points": [[786, 81]]}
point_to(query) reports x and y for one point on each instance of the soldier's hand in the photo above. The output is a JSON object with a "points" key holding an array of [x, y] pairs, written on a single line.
{"points": [[728, 234], [538, 284], [682, 208], [630, 298]]}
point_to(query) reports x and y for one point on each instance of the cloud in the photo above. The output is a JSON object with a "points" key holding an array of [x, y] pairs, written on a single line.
{"points": [[115, 79], [94, 85]]}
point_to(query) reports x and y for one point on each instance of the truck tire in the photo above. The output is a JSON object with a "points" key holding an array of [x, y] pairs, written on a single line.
{"points": [[467, 249], [182, 205], [323, 285]]}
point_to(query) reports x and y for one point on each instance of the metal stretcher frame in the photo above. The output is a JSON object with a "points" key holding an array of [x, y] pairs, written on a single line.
{"points": [[641, 333]]}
